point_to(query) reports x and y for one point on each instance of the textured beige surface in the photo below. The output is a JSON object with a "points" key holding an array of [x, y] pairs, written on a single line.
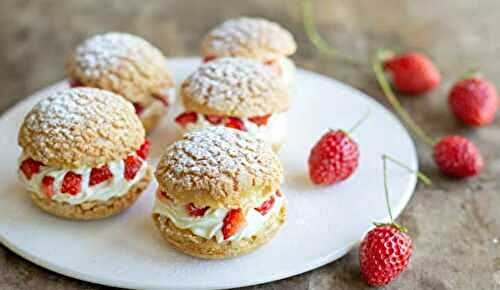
{"points": [[188, 243], [81, 127], [457, 34], [234, 87], [248, 37], [218, 167], [92, 210], [121, 63]]}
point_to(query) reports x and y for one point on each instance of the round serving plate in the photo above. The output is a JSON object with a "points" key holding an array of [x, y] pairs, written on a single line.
{"points": [[324, 222]]}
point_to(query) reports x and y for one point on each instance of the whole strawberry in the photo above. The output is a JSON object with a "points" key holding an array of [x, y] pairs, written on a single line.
{"points": [[458, 157], [474, 100], [384, 253], [412, 73], [334, 158]]}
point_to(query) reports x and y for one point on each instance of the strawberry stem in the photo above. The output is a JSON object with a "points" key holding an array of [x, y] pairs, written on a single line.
{"points": [[316, 39], [426, 180], [470, 73], [386, 190], [359, 122], [393, 100]]}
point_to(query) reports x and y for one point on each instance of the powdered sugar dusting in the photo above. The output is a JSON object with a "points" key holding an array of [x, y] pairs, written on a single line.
{"points": [[238, 35], [236, 86], [218, 157], [104, 52]]}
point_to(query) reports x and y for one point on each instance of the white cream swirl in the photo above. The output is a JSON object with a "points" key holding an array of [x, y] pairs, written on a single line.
{"points": [[274, 132], [114, 187], [210, 224]]}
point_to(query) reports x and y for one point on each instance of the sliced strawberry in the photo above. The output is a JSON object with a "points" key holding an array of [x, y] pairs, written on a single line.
{"points": [[163, 194], [233, 221], [75, 83], [132, 166], [72, 183], [48, 186], [98, 175], [209, 58], [196, 211], [214, 119], [30, 167], [138, 108], [235, 123], [186, 117], [143, 151], [266, 206], [162, 98], [260, 120], [274, 66]]}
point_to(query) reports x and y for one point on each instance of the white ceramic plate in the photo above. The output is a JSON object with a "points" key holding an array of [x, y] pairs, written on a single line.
{"points": [[323, 222]]}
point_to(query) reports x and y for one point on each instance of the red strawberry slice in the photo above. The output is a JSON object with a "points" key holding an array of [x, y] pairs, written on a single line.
{"points": [[138, 108], [235, 123], [214, 119], [266, 206], [98, 175], [162, 98], [260, 120], [274, 66], [72, 183], [30, 167], [75, 83], [48, 186], [132, 166], [196, 211], [186, 117], [209, 58], [233, 221], [143, 151]]}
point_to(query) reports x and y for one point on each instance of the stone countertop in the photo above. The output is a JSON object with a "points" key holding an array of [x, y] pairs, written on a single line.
{"points": [[455, 225]]}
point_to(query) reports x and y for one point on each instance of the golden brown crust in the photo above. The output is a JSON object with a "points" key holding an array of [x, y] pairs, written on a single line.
{"points": [[218, 166], [234, 87], [122, 63], [81, 127], [190, 244], [248, 37], [93, 210]]}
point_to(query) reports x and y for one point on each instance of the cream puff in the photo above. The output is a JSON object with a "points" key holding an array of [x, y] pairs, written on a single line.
{"points": [[255, 38], [219, 193], [83, 154], [238, 93], [128, 66]]}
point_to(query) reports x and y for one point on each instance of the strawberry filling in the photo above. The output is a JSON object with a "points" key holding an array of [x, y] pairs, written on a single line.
{"points": [[48, 186], [214, 119], [132, 166], [138, 108], [231, 122], [209, 58], [266, 206], [186, 118], [196, 211], [274, 66], [98, 175], [260, 120], [29, 167], [143, 151], [72, 183], [233, 221], [162, 98], [75, 83]]}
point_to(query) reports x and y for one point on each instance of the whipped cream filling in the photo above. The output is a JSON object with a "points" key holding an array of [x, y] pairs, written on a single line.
{"points": [[274, 132], [157, 106], [210, 224], [116, 186]]}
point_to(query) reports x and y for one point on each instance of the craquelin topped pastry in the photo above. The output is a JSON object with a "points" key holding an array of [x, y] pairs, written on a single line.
{"points": [[128, 66], [83, 154], [219, 193], [238, 93], [255, 38]]}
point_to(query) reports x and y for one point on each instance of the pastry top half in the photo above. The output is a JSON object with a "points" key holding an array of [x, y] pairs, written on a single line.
{"points": [[237, 87], [248, 37], [80, 127], [219, 167], [122, 63]]}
